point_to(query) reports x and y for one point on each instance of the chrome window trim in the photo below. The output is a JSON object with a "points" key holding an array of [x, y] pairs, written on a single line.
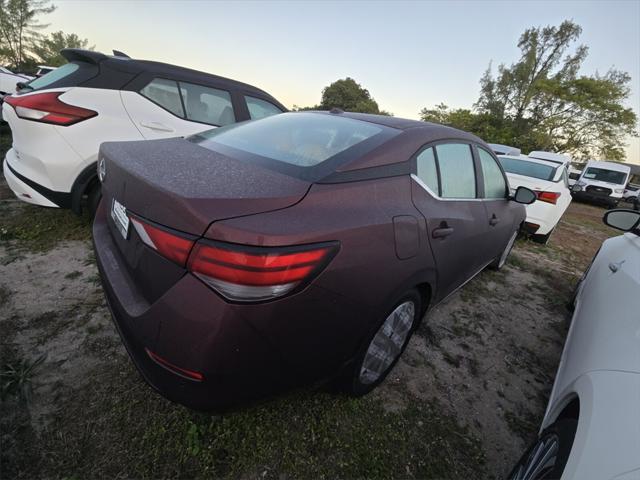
{"points": [[434, 195]]}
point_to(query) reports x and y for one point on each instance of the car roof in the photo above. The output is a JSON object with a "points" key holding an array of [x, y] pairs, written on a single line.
{"points": [[507, 149], [188, 73], [550, 156], [618, 167], [414, 134], [136, 66]]}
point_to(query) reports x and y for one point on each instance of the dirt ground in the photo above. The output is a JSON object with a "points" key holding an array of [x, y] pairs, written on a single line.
{"points": [[466, 398]]}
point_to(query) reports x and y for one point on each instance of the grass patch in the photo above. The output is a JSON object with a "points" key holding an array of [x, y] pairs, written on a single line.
{"points": [[5, 294], [16, 375], [36, 228], [524, 425], [132, 432], [5, 141]]}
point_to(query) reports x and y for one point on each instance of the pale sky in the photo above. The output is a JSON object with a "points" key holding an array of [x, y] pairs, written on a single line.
{"points": [[409, 55]]}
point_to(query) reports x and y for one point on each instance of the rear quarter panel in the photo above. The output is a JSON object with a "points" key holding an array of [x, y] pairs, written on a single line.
{"points": [[111, 124], [366, 277], [607, 441]]}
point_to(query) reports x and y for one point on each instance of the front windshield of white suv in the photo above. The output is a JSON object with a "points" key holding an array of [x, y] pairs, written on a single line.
{"points": [[604, 175]]}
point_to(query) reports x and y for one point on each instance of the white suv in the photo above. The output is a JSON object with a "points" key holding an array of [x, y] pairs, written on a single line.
{"points": [[59, 121]]}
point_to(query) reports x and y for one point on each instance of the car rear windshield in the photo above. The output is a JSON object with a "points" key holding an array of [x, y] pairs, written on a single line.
{"points": [[68, 75], [604, 175], [296, 138], [528, 169]]}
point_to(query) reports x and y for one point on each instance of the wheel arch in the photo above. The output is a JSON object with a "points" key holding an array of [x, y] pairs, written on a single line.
{"points": [[87, 178]]}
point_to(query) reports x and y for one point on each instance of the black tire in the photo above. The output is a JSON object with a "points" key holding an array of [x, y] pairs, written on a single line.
{"points": [[93, 199], [542, 239], [497, 263], [350, 381], [562, 432]]}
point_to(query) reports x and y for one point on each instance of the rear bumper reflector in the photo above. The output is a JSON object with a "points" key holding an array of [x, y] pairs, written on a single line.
{"points": [[182, 372]]}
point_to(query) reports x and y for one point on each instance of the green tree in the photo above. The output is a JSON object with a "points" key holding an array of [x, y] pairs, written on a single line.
{"points": [[48, 48], [348, 95], [542, 102], [20, 29]]}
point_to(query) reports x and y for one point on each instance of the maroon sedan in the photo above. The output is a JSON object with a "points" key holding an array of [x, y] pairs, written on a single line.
{"points": [[303, 246]]}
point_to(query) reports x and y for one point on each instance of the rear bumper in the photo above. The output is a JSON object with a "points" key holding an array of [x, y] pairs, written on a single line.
{"points": [[30, 191], [192, 328], [545, 215]]}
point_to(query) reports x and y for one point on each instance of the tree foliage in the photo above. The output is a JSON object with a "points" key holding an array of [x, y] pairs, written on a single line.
{"points": [[542, 102], [48, 49], [22, 45], [20, 28], [348, 95]]}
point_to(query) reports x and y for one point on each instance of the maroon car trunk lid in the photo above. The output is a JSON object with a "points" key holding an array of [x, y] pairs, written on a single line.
{"points": [[177, 184], [181, 185]]}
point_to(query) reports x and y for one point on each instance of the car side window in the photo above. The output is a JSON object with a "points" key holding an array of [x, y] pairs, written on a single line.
{"points": [[207, 105], [494, 183], [259, 108], [427, 170], [457, 173], [165, 93]]}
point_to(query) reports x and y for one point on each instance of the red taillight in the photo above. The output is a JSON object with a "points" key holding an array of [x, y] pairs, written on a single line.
{"points": [[48, 108], [171, 246], [243, 273], [238, 272], [183, 372], [549, 197]]}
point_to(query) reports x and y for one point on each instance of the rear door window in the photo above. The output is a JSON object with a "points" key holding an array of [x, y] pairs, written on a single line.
{"points": [[259, 108], [457, 172], [428, 170], [207, 105], [494, 183], [166, 94]]}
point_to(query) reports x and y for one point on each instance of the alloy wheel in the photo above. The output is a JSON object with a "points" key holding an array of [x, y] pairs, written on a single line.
{"points": [[387, 343], [540, 461]]}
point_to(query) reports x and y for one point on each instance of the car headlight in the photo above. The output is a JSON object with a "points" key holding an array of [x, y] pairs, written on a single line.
{"points": [[619, 190], [577, 188]]}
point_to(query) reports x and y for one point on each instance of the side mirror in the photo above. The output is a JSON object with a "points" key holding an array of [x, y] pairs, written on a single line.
{"points": [[625, 220], [525, 196]]}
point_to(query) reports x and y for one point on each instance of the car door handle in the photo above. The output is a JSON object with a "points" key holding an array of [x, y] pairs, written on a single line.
{"points": [[441, 232], [493, 221], [157, 126]]}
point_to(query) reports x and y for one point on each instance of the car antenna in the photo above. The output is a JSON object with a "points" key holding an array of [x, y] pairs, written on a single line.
{"points": [[336, 110], [118, 53]]}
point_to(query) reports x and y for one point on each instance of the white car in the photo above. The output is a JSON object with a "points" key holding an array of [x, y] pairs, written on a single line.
{"points": [[574, 175], [549, 180], [500, 149], [632, 193], [59, 122], [591, 429], [9, 80], [602, 182]]}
